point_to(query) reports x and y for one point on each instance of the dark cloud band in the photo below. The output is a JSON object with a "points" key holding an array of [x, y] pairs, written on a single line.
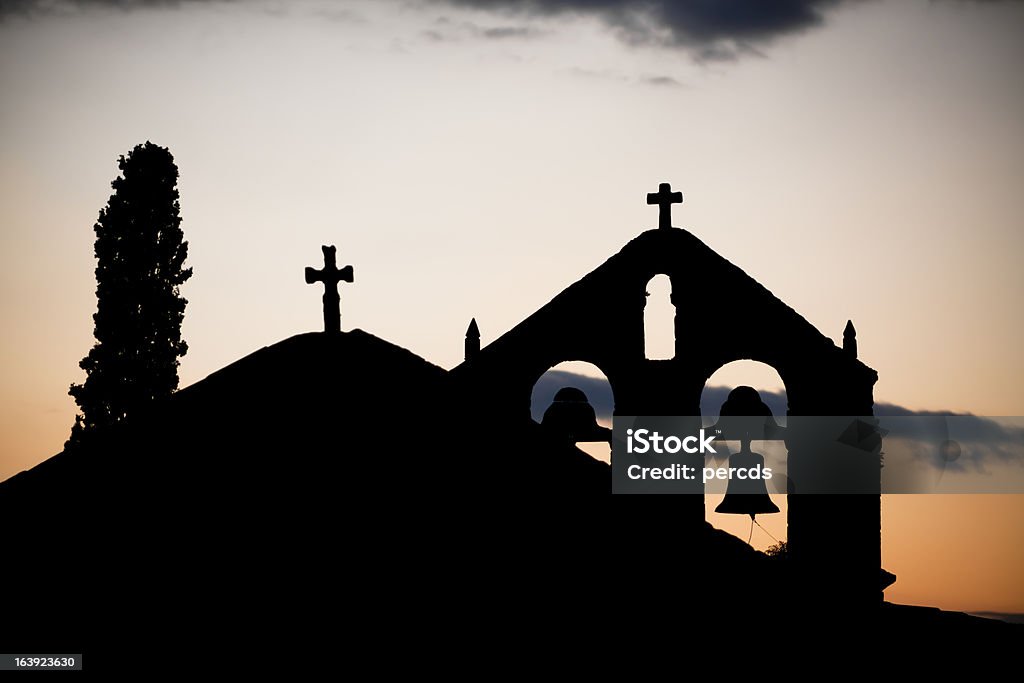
{"points": [[713, 30]]}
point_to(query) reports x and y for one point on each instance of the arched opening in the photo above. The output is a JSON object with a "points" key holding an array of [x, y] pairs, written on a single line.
{"points": [[589, 379], [772, 390], [659, 320]]}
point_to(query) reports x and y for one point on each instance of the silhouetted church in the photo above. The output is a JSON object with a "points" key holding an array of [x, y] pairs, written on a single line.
{"points": [[344, 453], [600, 320]]}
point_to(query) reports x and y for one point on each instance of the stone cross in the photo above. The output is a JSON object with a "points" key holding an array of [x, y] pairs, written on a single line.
{"points": [[330, 276], [665, 198]]}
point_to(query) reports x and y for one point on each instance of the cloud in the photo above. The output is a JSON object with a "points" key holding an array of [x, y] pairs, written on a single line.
{"points": [[711, 30], [1012, 617], [508, 32], [599, 393], [341, 15], [597, 389], [447, 30], [911, 435], [58, 6], [583, 72], [608, 75], [662, 81], [37, 8]]}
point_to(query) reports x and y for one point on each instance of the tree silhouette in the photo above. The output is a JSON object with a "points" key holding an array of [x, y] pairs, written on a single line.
{"points": [[140, 252], [779, 551]]}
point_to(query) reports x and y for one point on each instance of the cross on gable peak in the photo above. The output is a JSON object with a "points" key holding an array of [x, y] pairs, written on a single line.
{"points": [[664, 198], [330, 275]]}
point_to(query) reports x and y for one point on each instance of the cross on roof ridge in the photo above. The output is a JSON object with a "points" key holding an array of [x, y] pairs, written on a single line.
{"points": [[664, 198], [330, 275]]}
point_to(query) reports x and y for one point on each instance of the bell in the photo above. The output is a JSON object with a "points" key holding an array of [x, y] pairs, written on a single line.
{"points": [[745, 416], [747, 496], [570, 416]]}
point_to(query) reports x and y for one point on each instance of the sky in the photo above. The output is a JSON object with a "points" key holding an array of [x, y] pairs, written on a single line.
{"points": [[861, 159]]}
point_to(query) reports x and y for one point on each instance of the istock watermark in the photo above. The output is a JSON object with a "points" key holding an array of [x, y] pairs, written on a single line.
{"points": [[796, 455]]}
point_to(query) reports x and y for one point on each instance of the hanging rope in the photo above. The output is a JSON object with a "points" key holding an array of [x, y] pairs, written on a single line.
{"points": [[751, 535], [753, 522]]}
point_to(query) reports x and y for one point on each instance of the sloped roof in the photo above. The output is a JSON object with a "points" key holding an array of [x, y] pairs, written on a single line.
{"points": [[704, 283]]}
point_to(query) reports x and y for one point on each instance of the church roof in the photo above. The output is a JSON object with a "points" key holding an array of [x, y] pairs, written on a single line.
{"points": [[706, 287]]}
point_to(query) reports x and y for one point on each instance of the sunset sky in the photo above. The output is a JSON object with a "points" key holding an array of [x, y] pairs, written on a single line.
{"points": [[862, 160]]}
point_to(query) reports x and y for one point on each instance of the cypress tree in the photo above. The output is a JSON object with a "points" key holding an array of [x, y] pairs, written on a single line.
{"points": [[140, 255]]}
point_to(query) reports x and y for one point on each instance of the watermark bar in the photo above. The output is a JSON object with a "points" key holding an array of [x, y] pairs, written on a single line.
{"points": [[34, 662], [818, 455]]}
